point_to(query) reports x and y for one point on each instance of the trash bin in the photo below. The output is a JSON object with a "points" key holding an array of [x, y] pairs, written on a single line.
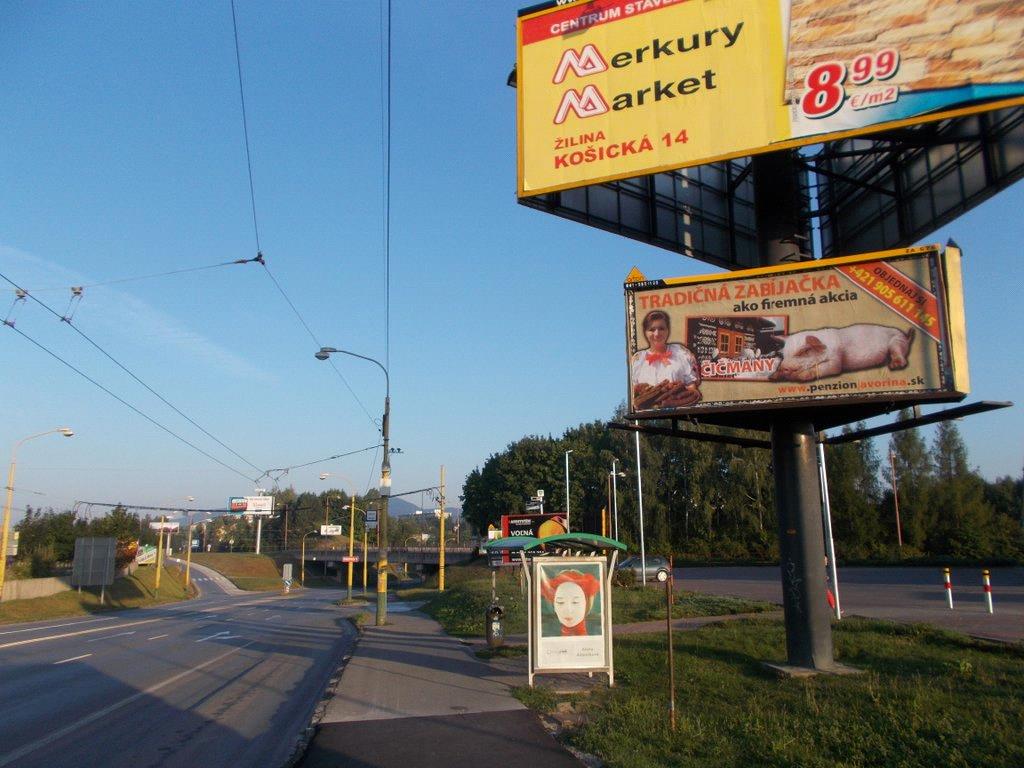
{"points": [[494, 628]]}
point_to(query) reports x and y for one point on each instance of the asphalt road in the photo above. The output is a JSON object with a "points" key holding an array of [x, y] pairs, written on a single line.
{"points": [[229, 679], [898, 594]]}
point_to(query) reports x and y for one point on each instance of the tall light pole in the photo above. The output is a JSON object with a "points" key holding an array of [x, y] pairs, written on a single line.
{"points": [[896, 498], [567, 528], [302, 564], [67, 432], [385, 485], [615, 497]]}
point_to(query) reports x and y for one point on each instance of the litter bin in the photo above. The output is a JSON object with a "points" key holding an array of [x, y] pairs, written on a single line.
{"points": [[495, 630]]}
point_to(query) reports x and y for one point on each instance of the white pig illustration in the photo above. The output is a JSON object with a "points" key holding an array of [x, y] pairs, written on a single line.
{"points": [[815, 354]]}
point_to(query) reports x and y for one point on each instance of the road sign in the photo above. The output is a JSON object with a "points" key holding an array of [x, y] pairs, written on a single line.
{"points": [[286, 573], [330, 530], [350, 559], [371, 519]]}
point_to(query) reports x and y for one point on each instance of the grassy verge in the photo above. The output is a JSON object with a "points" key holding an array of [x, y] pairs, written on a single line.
{"points": [[460, 608], [256, 573], [137, 591], [927, 698]]}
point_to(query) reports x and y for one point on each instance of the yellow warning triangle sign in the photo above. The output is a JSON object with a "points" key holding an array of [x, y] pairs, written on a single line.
{"points": [[635, 276]]}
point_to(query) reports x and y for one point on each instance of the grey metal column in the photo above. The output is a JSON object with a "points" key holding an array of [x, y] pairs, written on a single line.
{"points": [[797, 483]]}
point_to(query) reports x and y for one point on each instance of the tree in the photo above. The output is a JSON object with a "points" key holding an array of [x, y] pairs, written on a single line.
{"points": [[855, 496], [915, 478]]}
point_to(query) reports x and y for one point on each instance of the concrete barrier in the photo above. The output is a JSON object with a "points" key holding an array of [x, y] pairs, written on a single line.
{"points": [[26, 589]]}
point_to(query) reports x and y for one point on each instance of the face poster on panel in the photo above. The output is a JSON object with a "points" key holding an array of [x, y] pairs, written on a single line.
{"points": [[570, 627]]}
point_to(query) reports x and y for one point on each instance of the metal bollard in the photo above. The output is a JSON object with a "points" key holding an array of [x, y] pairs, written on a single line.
{"points": [[987, 587], [949, 588]]}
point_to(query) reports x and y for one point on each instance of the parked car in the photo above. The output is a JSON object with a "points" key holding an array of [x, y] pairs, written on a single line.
{"points": [[657, 567]]}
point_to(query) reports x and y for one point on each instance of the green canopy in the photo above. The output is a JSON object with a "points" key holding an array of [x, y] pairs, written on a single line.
{"points": [[513, 542], [581, 540]]}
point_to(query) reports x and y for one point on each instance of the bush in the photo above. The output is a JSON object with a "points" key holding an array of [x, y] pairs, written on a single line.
{"points": [[624, 577]]}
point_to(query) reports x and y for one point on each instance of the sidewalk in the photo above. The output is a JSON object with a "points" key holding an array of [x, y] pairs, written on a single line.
{"points": [[412, 696]]}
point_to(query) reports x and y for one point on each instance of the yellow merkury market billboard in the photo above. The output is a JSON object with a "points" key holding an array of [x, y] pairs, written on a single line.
{"points": [[879, 327], [610, 89]]}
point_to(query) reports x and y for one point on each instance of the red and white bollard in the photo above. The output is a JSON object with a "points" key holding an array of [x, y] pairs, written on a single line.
{"points": [[949, 588], [986, 585]]}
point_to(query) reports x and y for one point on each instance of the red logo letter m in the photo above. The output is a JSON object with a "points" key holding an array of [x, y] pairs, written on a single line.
{"points": [[587, 62], [587, 103]]}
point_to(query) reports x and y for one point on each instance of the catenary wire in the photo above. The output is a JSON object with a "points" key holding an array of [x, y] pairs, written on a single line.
{"points": [[252, 197], [124, 402], [146, 277], [148, 388], [245, 127]]}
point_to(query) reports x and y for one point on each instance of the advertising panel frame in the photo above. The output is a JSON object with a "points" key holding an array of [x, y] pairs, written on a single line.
{"points": [[562, 651], [966, 98], [931, 311]]}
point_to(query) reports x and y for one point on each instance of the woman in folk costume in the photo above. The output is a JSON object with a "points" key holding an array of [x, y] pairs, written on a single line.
{"points": [[662, 362]]}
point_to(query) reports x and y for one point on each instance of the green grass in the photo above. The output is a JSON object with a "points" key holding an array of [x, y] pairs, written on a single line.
{"points": [[246, 570], [460, 608], [927, 698], [135, 591]]}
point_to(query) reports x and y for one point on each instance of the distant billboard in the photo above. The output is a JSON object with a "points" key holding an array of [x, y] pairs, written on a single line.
{"points": [[884, 326], [251, 505], [613, 89], [533, 525]]}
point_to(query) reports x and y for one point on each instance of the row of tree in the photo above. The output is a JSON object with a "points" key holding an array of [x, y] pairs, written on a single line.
{"points": [[713, 501]]}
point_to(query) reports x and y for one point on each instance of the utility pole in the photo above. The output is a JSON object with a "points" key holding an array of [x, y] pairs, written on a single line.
{"points": [[351, 542], [440, 544], [159, 555]]}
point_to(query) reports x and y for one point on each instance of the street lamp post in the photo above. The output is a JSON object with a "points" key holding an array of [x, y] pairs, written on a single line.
{"points": [[385, 485], [615, 497], [567, 528], [67, 432], [302, 564]]}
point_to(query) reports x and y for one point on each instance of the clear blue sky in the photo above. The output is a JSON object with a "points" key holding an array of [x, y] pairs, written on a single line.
{"points": [[122, 154]]}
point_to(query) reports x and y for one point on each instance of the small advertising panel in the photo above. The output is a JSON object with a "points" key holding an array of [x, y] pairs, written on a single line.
{"points": [[532, 525], [613, 89], [94, 562], [330, 530], [167, 526], [570, 626], [885, 326], [262, 506]]}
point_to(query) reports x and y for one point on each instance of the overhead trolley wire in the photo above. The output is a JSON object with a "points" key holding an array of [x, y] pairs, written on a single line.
{"points": [[148, 388], [252, 197], [124, 402], [152, 276]]}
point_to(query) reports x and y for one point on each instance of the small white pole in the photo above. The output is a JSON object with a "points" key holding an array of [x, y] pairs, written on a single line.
{"points": [[949, 588], [640, 497], [987, 587]]}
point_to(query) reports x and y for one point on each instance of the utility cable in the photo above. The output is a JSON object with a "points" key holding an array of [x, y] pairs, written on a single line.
{"points": [[145, 277], [148, 388], [317, 341], [252, 197], [245, 127], [124, 402], [286, 470]]}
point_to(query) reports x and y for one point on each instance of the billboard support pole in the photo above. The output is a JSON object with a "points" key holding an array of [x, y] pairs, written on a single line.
{"points": [[798, 508]]}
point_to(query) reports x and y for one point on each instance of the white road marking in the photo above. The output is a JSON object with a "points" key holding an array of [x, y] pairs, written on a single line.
{"points": [[110, 637], [55, 626], [28, 749], [73, 658], [277, 615], [218, 636], [75, 634], [156, 637]]}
